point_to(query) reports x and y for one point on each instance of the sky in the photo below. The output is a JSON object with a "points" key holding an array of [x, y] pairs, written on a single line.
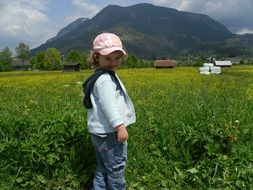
{"points": [[35, 21]]}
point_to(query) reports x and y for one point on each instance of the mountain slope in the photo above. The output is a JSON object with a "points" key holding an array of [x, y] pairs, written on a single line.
{"points": [[72, 26], [146, 31]]}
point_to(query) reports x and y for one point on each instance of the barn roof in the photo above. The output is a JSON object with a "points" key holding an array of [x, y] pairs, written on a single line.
{"points": [[19, 62], [164, 63], [71, 64]]}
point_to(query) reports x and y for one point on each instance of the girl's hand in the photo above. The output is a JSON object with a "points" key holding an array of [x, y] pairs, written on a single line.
{"points": [[122, 133]]}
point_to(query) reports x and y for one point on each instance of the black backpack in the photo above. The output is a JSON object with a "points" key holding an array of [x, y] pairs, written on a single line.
{"points": [[89, 84]]}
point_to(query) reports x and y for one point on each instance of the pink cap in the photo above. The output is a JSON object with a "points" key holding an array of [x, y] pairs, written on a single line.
{"points": [[107, 43]]}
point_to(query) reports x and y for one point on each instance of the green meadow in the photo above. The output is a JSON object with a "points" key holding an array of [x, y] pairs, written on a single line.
{"points": [[192, 132]]}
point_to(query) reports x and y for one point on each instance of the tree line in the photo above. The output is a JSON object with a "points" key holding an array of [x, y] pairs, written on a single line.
{"points": [[6, 56], [52, 59]]}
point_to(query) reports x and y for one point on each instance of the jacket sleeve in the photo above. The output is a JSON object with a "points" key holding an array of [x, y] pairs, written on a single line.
{"points": [[106, 94]]}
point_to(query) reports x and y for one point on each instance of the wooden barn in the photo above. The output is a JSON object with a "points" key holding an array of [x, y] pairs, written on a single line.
{"points": [[70, 67], [164, 63], [19, 64]]}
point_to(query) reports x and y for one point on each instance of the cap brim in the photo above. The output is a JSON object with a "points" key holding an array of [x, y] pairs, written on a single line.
{"points": [[107, 51]]}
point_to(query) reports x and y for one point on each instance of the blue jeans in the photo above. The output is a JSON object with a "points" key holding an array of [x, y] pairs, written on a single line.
{"points": [[111, 157]]}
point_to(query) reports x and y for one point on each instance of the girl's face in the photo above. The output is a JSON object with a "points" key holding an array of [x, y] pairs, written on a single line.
{"points": [[111, 61]]}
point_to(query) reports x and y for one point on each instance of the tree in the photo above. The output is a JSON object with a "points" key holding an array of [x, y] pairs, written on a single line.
{"points": [[130, 62], [5, 59], [52, 59], [37, 61], [84, 61], [22, 52], [198, 61], [77, 56], [73, 56]]}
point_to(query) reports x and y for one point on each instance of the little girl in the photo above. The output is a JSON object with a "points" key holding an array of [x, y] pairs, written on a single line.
{"points": [[110, 113]]}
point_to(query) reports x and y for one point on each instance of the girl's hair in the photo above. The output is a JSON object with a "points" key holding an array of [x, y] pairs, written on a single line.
{"points": [[93, 59]]}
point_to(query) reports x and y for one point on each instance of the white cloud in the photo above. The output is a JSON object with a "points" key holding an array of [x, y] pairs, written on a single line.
{"points": [[83, 9], [24, 21], [159, 2], [35, 21], [92, 9], [245, 31], [235, 14], [18, 20]]}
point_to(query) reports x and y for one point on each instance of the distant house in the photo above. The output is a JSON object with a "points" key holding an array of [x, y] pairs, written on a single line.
{"points": [[164, 63], [19, 64], [234, 60], [223, 63], [71, 67]]}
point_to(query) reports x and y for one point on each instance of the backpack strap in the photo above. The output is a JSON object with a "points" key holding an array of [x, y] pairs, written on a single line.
{"points": [[89, 84]]}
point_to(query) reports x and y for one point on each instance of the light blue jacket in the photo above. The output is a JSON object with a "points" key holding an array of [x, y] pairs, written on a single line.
{"points": [[111, 106]]}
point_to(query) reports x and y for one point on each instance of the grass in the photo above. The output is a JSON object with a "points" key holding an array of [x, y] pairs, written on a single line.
{"points": [[192, 132]]}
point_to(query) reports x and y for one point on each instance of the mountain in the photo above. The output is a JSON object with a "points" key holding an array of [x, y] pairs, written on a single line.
{"points": [[72, 26], [146, 31]]}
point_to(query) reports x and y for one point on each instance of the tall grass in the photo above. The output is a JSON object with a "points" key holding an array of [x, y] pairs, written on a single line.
{"points": [[192, 131]]}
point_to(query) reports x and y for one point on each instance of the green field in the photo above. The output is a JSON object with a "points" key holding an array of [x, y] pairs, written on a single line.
{"points": [[192, 132]]}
